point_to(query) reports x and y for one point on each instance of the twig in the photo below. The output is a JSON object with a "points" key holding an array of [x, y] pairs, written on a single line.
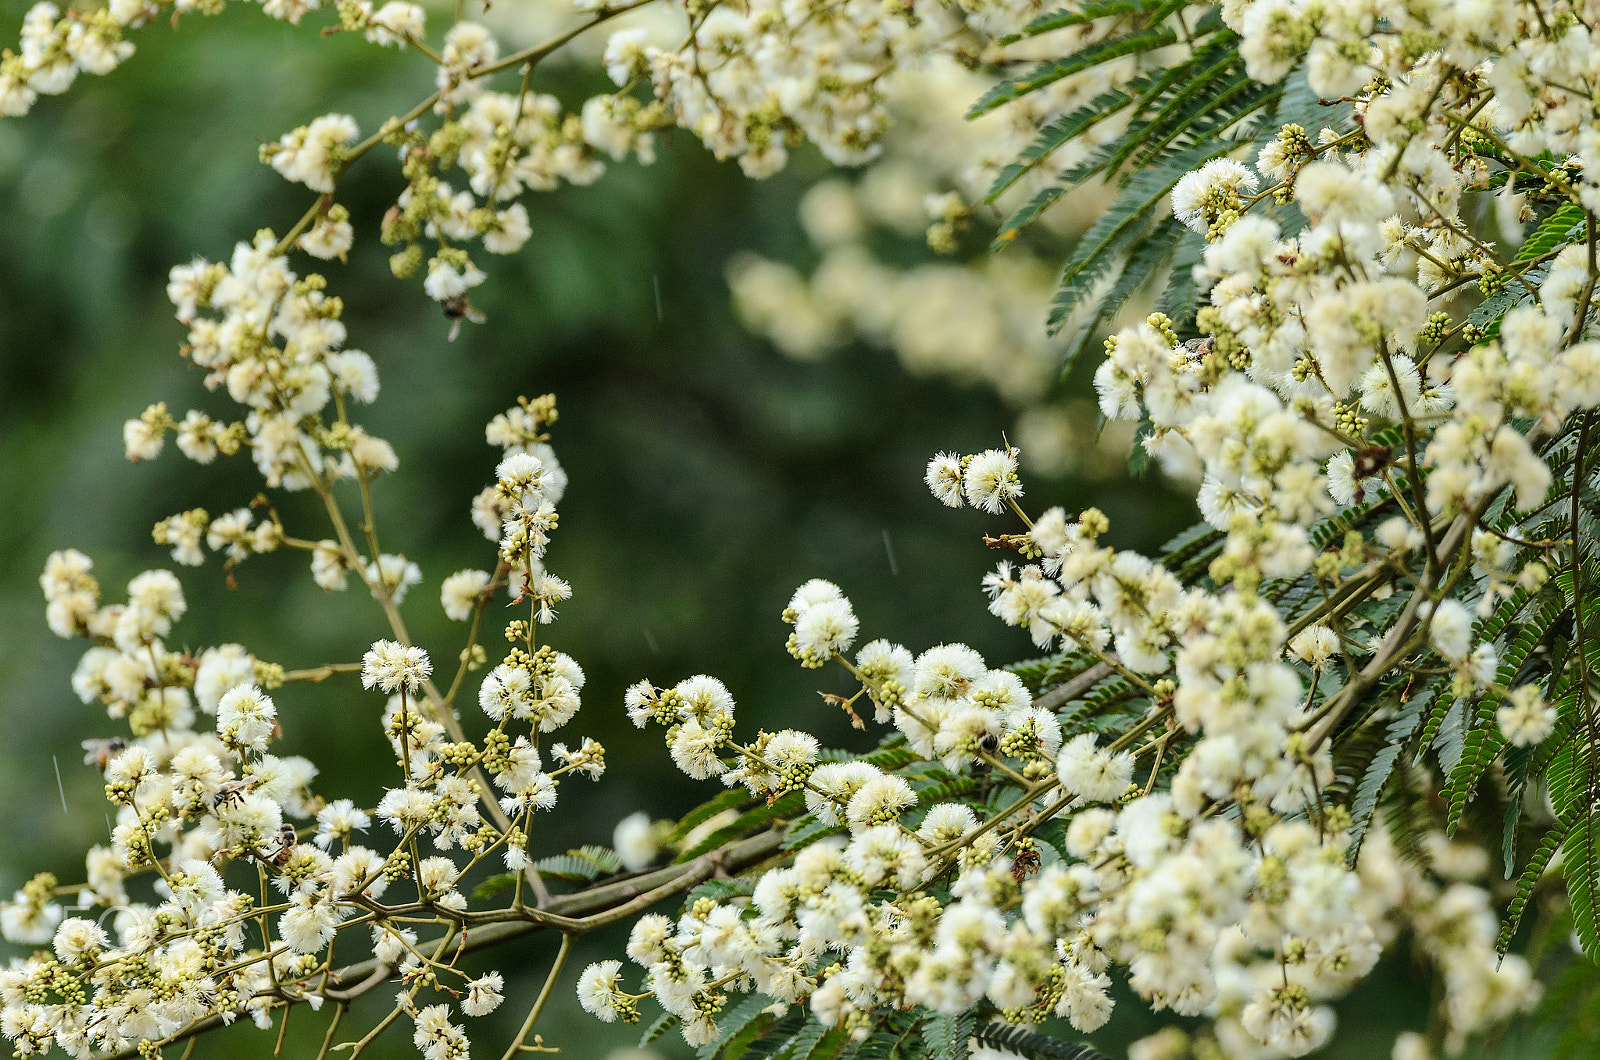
{"points": [[538, 1006]]}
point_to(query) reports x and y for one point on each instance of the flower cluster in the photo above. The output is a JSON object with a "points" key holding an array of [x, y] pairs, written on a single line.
{"points": [[1177, 796], [197, 790], [1253, 918]]}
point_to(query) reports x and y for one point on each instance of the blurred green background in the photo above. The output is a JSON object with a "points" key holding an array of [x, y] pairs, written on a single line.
{"points": [[709, 475]]}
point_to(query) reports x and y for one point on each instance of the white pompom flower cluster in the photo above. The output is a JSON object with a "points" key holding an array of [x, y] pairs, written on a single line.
{"points": [[988, 480], [825, 626], [1222, 889], [198, 791]]}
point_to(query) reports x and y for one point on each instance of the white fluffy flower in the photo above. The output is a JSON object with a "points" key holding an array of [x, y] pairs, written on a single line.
{"points": [[598, 990], [459, 593], [944, 478], [634, 841], [1450, 631], [246, 717], [484, 994], [308, 925], [1214, 185], [1525, 718], [1093, 774], [391, 666], [991, 480], [825, 629]]}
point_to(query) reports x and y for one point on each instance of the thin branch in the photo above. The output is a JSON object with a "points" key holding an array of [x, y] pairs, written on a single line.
{"points": [[544, 995], [577, 913]]}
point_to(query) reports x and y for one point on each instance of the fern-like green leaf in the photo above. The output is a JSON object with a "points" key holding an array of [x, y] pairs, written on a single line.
{"points": [[1582, 866], [813, 1041], [738, 1027], [1066, 128], [1370, 790], [1305, 108], [1157, 88], [1027, 213], [1569, 714], [787, 806], [1052, 671], [1492, 310], [947, 1036], [585, 863], [1078, 15], [1552, 232], [1147, 258], [945, 790], [1434, 713], [1234, 102], [809, 830], [1192, 103], [1181, 298], [1053, 70], [1483, 741], [721, 890], [1189, 543], [888, 756], [1406, 815], [494, 885], [895, 1038], [698, 816], [662, 1024], [1107, 697], [1034, 1045], [1119, 227], [1527, 882], [779, 1033]]}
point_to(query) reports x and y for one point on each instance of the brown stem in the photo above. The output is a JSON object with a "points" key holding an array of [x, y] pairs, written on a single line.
{"points": [[576, 914]]}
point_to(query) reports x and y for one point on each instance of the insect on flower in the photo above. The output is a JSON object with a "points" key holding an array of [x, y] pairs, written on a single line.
{"points": [[288, 839], [99, 752], [1196, 348], [460, 308], [233, 792]]}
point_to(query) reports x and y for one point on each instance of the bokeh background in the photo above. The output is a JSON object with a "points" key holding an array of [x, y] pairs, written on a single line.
{"points": [[710, 473]]}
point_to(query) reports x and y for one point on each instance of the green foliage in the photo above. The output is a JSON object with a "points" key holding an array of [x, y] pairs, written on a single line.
{"points": [[698, 816], [1529, 879], [1181, 297], [1063, 130], [1192, 551], [500, 881], [1380, 766], [1050, 670], [947, 1036], [1079, 15], [739, 1028], [1033, 1045], [893, 1038], [720, 890], [813, 1041], [1555, 231], [1407, 815], [1177, 116], [1053, 70], [1582, 866], [1483, 741], [809, 830], [1120, 229], [1145, 257], [763, 815], [585, 863], [661, 1025]]}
